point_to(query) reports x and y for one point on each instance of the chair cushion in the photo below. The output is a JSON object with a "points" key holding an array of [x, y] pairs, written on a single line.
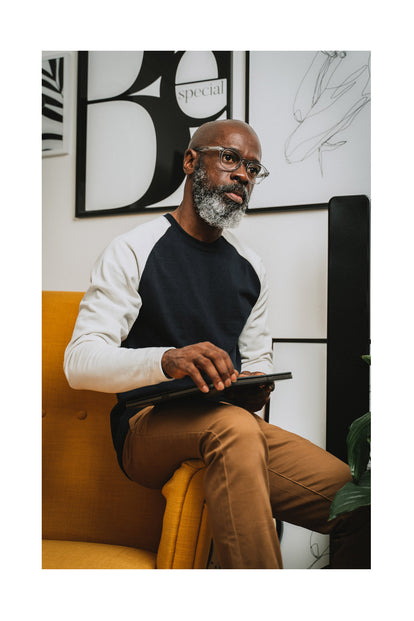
{"points": [[185, 539], [85, 555]]}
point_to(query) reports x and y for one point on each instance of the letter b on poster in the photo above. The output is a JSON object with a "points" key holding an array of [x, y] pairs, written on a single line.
{"points": [[136, 114]]}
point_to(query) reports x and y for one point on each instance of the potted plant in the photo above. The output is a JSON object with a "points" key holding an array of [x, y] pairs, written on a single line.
{"points": [[356, 493]]}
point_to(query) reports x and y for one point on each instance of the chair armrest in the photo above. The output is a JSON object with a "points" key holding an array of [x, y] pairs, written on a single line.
{"points": [[186, 538]]}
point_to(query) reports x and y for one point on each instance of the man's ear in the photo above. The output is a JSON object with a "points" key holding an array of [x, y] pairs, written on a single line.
{"points": [[190, 158]]}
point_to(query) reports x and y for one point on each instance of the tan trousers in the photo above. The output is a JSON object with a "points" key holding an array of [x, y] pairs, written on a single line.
{"points": [[254, 471]]}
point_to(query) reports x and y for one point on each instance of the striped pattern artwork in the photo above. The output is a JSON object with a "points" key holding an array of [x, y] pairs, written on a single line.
{"points": [[52, 104]]}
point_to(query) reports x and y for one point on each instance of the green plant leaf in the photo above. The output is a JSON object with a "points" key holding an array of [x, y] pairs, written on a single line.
{"points": [[367, 358], [352, 496], [359, 445]]}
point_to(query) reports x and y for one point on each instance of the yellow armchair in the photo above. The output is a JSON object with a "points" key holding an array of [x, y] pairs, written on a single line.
{"points": [[94, 517]]}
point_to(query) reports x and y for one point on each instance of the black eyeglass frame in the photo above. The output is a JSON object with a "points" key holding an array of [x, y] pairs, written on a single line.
{"points": [[256, 180]]}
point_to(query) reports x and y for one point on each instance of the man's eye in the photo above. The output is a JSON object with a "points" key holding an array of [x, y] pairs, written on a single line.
{"points": [[254, 170], [229, 157]]}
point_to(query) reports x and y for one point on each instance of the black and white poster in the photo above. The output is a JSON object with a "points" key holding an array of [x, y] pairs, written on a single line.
{"points": [[311, 110], [136, 114], [54, 105]]}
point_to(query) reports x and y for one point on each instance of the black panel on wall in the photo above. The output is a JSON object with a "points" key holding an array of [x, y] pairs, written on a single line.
{"points": [[348, 317]]}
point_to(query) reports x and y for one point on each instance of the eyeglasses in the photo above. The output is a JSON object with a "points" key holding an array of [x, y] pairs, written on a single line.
{"points": [[231, 160]]}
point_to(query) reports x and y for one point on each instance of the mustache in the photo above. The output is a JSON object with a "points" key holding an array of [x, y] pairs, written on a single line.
{"points": [[237, 188]]}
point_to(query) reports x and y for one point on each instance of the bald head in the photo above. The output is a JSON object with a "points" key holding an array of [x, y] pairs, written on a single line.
{"points": [[216, 196], [215, 132]]}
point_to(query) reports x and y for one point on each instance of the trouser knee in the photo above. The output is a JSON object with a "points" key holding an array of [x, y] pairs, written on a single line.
{"points": [[236, 431]]}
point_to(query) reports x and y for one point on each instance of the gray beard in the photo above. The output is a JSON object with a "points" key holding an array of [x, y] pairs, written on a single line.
{"points": [[213, 206]]}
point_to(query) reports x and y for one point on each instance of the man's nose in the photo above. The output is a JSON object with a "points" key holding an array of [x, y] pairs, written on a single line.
{"points": [[240, 174]]}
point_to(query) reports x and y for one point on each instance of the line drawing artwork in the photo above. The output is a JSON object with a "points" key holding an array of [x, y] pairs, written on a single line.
{"points": [[329, 97]]}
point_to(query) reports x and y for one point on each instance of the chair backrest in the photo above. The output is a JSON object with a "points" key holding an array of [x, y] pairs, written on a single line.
{"points": [[86, 496]]}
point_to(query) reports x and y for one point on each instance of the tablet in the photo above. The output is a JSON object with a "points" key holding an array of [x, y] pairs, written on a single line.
{"points": [[193, 391]]}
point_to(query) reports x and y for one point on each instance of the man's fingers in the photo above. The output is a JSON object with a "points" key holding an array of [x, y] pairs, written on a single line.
{"points": [[218, 366], [215, 370], [193, 360], [198, 379], [219, 380], [269, 387]]}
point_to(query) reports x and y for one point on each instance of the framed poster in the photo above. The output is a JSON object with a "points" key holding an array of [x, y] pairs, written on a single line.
{"points": [[312, 112], [136, 114], [55, 109]]}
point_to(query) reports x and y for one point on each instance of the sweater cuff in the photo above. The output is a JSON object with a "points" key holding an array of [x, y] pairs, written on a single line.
{"points": [[258, 367]]}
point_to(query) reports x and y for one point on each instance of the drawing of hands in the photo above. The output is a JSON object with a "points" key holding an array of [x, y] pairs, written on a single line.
{"points": [[326, 103]]}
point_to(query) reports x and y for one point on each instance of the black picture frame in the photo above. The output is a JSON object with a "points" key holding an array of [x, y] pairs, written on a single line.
{"points": [[171, 125]]}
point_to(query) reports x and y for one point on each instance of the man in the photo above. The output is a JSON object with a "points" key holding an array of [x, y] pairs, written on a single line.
{"points": [[180, 299]]}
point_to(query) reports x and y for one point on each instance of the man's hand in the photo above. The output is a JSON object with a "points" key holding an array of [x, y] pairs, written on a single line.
{"points": [[201, 357], [251, 398]]}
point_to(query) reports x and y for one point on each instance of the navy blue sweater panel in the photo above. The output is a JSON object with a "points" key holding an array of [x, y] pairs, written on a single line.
{"points": [[191, 291]]}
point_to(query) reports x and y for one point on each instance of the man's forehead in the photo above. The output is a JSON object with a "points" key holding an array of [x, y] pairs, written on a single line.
{"points": [[235, 134], [240, 139]]}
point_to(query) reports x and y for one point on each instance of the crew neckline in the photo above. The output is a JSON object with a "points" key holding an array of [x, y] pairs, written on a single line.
{"points": [[197, 242]]}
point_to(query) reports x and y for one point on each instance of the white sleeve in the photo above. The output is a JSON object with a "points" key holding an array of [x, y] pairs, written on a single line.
{"points": [[94, 359], [255, 341]]}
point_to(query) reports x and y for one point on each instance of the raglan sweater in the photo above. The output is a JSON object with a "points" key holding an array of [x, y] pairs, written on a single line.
{"points": [[156, 288]]}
